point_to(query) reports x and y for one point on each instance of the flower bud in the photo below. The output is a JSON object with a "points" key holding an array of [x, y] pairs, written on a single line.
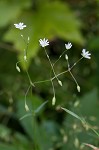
{"points": [[26, 107], [66, 56], [25, 58], [28, 39], [18, 69], [78, 88], [53, 100], [60, 83]]}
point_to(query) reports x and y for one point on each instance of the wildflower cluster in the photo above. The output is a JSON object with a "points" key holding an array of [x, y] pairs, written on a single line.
{"points": [[43, 43]]}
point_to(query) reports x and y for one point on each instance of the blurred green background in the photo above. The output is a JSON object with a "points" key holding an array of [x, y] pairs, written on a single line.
{"points": [[60, 21]]}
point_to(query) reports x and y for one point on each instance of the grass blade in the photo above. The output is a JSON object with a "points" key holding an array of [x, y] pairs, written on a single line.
{"points": [[40, 107]]}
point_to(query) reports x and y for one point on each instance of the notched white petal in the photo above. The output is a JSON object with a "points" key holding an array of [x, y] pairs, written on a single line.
{"points": [[20, 26], [44, 42], [68, 45], [86, 54]]}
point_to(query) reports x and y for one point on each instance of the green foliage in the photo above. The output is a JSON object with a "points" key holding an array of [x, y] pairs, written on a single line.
{"points": [[45, 127], [11, 9], [50, 20], [82, 131]]}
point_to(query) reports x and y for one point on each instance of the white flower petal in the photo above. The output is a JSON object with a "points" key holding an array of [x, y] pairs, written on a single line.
{"points": [[44, 42], [20, 26], [86, 54], [83, 51], [68, 46]]}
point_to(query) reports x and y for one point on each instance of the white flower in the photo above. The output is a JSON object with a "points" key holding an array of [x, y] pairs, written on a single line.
{"points": [[68, 45], [20, 26], [86, 54], [44, 42]]}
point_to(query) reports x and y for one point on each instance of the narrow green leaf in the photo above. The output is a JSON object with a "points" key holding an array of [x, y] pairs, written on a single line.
{"points": [[81, 119], [41, 106], [26, 115], [72, 113]]}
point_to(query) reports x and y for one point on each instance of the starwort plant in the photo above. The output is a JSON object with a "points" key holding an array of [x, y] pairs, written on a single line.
{"points": [[53, 76], [21, 26], [43, 43]]}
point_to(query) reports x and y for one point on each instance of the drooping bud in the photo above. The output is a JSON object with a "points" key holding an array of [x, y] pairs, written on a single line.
{"points": [[18, 69], [60, 83], [78, 88], [28, 39], [25, 58], [66, 57], [76, 142], [26, 107], [53, 101]]}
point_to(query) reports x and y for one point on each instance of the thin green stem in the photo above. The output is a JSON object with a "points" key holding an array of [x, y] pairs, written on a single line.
{"points": [[68, 69], [60, 74], [89, 126], [76, 62], [23, 39], [26, 106], [59, 57], [37, 82], [71, 72], [53, 88], [19, 62], [42, 81], [73, 77], [27, 44], [94, 131], [51, 64], [27, 92], [50, 75], [30, 78]]}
